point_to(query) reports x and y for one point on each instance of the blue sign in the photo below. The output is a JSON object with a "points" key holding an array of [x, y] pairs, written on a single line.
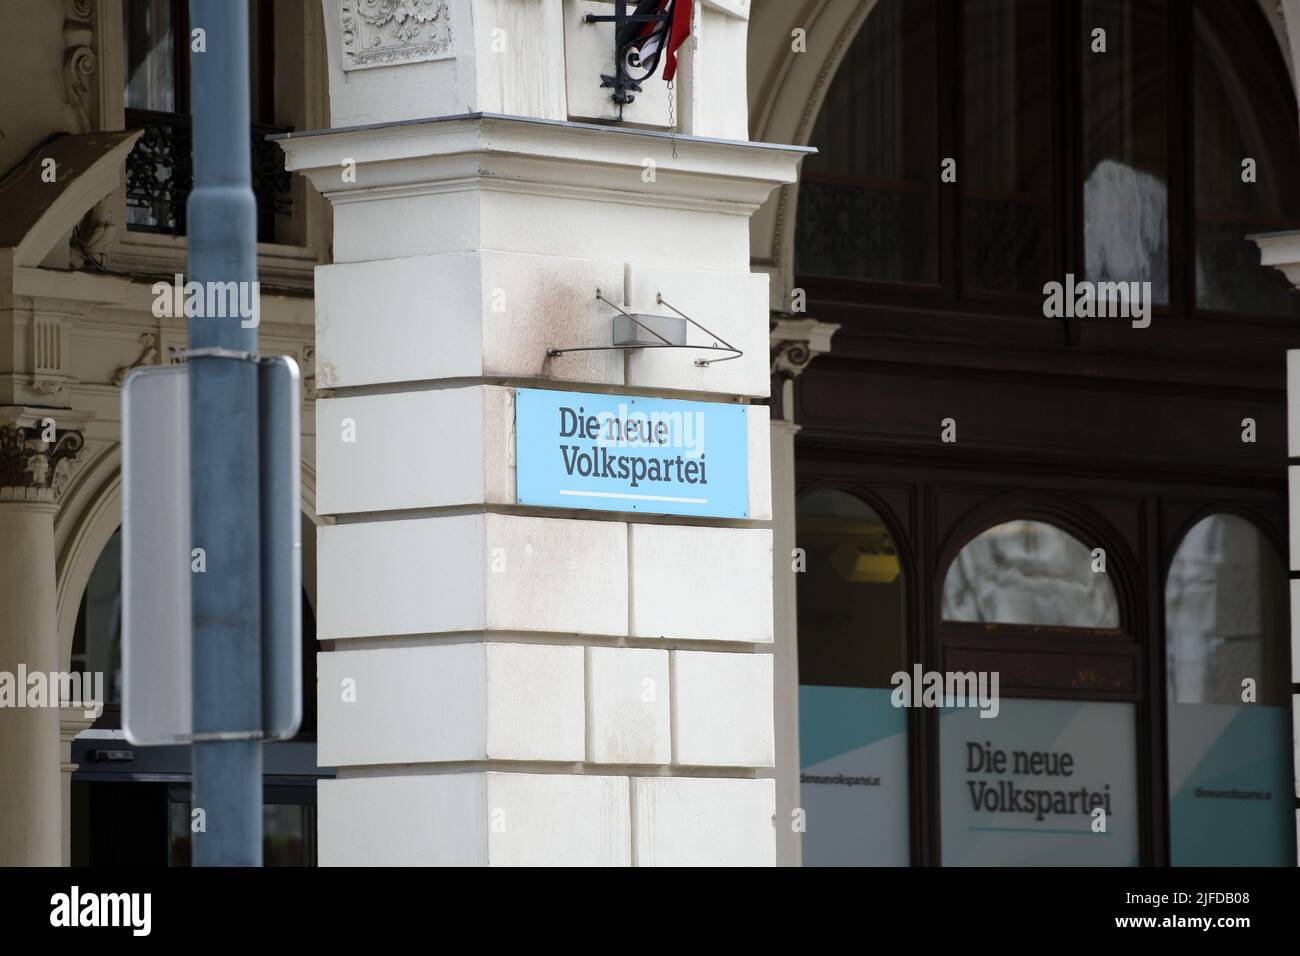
{"points": [[620, 453]]}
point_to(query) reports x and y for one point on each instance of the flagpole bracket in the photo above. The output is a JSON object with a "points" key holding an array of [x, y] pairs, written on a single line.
{"points": [[630, 34]]}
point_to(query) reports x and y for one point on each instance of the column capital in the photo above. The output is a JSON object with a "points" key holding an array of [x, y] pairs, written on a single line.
{"points": [[1281, 250], [37, 446], [794, 343]]}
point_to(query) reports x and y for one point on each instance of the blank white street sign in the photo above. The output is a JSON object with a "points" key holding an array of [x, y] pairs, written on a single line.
{"points": [[156, 621], [157, 687]]}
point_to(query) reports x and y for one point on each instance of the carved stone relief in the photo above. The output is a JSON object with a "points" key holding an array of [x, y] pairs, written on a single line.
{"points": [[392, 32]]}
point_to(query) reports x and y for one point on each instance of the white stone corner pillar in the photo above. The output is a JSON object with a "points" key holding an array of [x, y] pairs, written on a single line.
{"points": [[793, 343], [32, 472], [1293, 558], [1281, 250], [503, 683]]}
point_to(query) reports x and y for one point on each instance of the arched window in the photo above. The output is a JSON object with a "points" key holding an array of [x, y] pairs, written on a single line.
{"points": [[868, 204], [852, 639], [959, 152], [1031, 573], [1029, 613], [1228, 698]]}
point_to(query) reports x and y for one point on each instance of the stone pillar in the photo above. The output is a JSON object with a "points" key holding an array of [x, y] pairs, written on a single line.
{"points": [[794, 343], [30, 479], [1293, 559], [508, 684], [1281, 250]]}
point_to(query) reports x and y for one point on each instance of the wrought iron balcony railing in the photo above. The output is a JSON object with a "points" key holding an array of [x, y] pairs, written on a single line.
{"points": [[160, 175]]}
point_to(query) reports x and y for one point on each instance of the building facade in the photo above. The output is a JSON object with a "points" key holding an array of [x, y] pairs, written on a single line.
{"points": [[943, 474]]}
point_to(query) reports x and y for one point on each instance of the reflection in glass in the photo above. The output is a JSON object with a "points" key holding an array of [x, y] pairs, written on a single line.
{"points": [[1230, 724], [1226, 615], [1007, 135], [1242, 100], [1125, 106], [867, 206], [1028, 572], [851, 596], [852, 639], [149, 54]]}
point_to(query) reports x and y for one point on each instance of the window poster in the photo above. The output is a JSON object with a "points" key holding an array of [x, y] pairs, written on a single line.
{"points": [[853, 779], [1230, 798], [1045, 783]]}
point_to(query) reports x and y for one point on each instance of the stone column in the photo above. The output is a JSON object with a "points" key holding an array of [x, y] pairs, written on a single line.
{"points": [[794, 343], [30, 479], [508, 684]]}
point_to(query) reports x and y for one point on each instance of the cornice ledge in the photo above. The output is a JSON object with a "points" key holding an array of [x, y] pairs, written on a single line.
{"points": [[84, 287], [494, 148]]}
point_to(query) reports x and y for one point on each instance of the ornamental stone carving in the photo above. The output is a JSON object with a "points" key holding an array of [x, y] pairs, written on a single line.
{"points": [[79, 62], [392, 32], [35, 460]]}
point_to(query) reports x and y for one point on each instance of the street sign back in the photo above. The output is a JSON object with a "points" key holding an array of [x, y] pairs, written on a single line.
{"points": [[159, 557]]}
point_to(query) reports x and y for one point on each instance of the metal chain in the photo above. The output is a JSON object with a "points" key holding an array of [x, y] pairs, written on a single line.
{"points": [[672, 118]]}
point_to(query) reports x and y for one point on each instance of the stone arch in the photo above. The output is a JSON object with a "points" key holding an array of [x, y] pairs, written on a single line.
{"points": [[1283, 18], [85, 523]]}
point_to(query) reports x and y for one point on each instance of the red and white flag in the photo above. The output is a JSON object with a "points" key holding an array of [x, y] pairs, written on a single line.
{"points": [[669, 36]]}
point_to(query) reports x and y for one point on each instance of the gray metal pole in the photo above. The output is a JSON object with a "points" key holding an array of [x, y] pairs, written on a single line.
{"points": [[222, 216]]}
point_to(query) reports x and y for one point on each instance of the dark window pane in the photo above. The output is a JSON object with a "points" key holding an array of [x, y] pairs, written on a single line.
{"points": [[1007, 135], [150, 55], [101, 612], [1125, 144], [1244, 108], [851, 595], [867, 206], [261, 42], [286, 834]]}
